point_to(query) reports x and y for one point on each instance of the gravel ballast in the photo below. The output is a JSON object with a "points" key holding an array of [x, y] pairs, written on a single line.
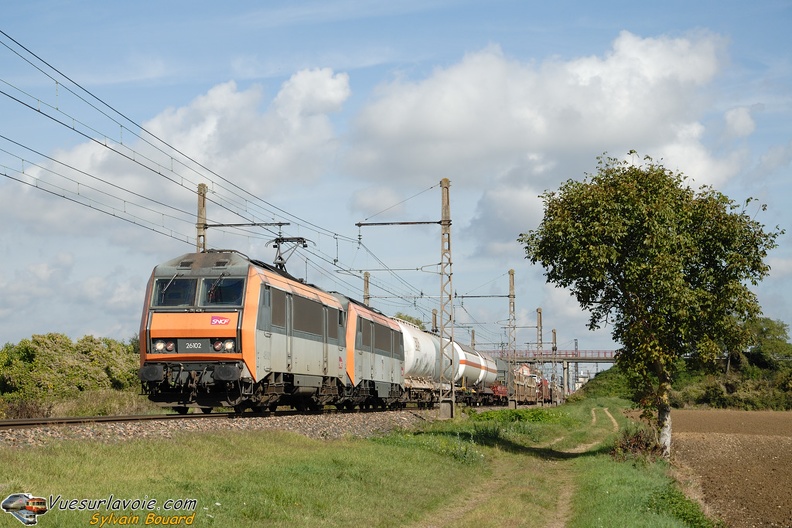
{"points": [[328, 426]]}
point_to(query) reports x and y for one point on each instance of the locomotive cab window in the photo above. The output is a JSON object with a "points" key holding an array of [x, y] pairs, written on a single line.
{"points": [[174, 291], [226, 291]]}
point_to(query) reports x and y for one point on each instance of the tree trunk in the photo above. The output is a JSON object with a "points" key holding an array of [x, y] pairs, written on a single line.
{"points": [[664, 411], [664, 426]]}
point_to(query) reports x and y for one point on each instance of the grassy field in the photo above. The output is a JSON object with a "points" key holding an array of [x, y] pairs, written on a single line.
{"points": [[541, 467]]}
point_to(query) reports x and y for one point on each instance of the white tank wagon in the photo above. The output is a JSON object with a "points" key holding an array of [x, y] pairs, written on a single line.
{"points": [[476, 373], [421, 360]]}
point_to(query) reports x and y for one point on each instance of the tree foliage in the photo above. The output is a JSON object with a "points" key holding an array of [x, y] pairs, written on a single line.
{"points": [[410, 319], [771, 344], [49, 367], [668, 267]]}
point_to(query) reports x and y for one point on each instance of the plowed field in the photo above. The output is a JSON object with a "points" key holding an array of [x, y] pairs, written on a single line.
{"points": [[742, 461]]}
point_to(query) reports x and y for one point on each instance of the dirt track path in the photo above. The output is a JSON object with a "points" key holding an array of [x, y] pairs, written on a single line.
{"points": [[568, 485], [548, 476]]}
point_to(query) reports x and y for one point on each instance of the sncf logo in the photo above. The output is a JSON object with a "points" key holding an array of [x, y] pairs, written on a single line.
{"points": [[220, 320]]}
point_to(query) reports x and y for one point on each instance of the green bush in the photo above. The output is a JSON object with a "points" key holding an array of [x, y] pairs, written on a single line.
{"points": [[51, 367], [637, 442]]}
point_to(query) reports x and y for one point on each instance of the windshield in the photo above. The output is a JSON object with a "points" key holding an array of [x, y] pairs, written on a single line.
{"points": [[222, 290], [174, 292]]}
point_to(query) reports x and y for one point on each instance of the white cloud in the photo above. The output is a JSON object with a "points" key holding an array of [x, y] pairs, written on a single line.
{"points": [[311, 93], [480, 117], [687, 153], [739, 122], [293, 142]]}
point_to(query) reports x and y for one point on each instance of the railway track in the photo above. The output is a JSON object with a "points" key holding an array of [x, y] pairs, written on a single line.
{"points": [[22, 423], [19, 423], [25, 433]]}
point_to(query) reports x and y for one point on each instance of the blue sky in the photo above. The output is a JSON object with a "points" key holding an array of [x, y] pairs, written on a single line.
{"points": [[324, 114]]}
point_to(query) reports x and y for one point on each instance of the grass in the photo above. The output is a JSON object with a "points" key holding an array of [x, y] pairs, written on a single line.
{"points": [[95, 402], [106, 403], [631, 494], [515, 468], [241, 479]]}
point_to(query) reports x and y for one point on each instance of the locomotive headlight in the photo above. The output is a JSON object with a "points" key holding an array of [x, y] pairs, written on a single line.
{"points": [[229, 345], [161, 346]]}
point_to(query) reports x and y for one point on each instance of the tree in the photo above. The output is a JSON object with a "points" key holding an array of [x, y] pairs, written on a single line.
{"points": [[771, 343], [410, 319], [665, 265]]}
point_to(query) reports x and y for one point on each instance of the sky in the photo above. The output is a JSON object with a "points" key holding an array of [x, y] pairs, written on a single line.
{"points": [[331, 113]]}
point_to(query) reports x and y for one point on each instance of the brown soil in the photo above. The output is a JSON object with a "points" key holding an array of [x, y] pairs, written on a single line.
{"points": [[742, 462]]}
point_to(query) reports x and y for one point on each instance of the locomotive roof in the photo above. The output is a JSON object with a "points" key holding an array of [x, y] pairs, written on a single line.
{"points": [[222, 260]]}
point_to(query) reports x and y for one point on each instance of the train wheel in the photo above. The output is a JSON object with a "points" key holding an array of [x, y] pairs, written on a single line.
{"points": [[181, 410], [206, 410]]}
